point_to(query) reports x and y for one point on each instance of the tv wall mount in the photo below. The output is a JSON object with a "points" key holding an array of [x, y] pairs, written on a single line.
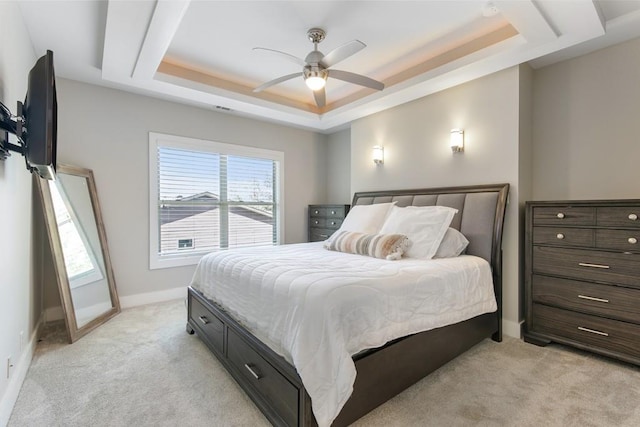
{"points": [[10, 124]]}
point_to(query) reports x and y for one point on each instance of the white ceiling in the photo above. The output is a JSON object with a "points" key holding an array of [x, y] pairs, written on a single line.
{"points": [[200, 52]]}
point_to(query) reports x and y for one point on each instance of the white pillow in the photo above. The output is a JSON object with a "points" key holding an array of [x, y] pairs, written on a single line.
{"points": [[367, 219], [423, 225], [452, 245]]}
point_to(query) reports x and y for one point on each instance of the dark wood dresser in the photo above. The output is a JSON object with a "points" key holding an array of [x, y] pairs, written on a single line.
{"points": [[582, 276], [324, 220]]}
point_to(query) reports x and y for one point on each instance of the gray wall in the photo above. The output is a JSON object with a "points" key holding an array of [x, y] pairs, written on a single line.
{"points": [[415, 137], [339, 167], [106, 130], [20, 292], [586, 113]]}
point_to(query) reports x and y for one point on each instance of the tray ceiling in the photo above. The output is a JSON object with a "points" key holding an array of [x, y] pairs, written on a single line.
{"points": [[200, 52]]}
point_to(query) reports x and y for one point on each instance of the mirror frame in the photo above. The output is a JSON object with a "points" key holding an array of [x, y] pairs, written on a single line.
{"points": [[74, 333]]}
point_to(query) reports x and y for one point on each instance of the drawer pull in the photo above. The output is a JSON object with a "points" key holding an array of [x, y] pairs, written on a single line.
{"points": [[255, 375], [333, 223], [316, 222], [323, 235], [560, 236], [560, 215], [632, 240], [593, 298], [316, 212], [586, 264], [633, 217], [593, 331], [204, 320], [333, 212]]}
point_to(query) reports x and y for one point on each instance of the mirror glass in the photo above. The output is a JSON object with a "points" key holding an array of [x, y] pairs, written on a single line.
{"points": [[78, 245]]}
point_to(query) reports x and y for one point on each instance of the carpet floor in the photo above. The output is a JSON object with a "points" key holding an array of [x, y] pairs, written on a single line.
{"points": [[142, 369]]}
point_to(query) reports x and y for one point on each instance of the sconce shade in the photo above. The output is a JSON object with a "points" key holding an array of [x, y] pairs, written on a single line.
{"points": [[378, 155], [457, 140]]}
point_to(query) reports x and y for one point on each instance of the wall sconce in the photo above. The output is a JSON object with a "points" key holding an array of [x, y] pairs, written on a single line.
{"points": [[378, 155], [457, 140]]}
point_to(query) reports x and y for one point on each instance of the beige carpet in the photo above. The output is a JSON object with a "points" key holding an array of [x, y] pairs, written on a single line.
{"points": [[143, 369]]}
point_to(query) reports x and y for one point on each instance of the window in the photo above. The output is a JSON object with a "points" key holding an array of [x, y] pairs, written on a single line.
{"points": [[219, 195]]}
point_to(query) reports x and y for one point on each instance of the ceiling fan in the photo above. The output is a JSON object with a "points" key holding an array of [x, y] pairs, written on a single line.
{"points": [[316, 67]]}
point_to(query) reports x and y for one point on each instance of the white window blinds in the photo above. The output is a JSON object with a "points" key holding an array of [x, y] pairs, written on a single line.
{"points": [[212, 196]]}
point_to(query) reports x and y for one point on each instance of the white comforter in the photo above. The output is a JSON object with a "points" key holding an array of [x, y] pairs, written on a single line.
{"points": [[317, 308]]}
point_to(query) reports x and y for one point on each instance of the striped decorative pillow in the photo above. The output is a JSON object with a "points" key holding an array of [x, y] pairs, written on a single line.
{"points": [[384, 246]]}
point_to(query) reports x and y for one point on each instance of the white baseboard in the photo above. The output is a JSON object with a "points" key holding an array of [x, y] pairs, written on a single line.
{"points": [[511, 328], [153, 297], [55, 313], [19, 374]]}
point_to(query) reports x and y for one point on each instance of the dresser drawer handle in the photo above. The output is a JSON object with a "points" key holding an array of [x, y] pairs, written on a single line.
{"points": [[560, 215], [323, 235], [316, 222], [560, 236], [204, 320], [633, 217], [316, 212], [586, 264], [333, 223], [333, 212], [254, 373], [593, 331], [593, 298], [632, 240]]}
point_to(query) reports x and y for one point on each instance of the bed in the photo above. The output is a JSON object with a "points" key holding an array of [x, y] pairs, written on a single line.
{"points": [[261, 361]]}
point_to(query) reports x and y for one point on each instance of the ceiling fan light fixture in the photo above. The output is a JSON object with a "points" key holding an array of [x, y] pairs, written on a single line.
{"points": [[315, 79]]}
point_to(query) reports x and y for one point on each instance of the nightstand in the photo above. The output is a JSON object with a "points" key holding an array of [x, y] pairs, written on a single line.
{"points": [[324, 220]]}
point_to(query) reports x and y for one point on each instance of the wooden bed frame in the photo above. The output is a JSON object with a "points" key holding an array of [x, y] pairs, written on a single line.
{"points": [[273, 384]]}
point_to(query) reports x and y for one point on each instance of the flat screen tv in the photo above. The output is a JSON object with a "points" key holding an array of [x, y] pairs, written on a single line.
{"points": [[36, 123]]}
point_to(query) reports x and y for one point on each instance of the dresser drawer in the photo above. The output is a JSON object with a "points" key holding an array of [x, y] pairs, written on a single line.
{"points": [[209, 327], [604, 300], [604, 334], [272, 386], [320, 234], [563, 236], [619, 216], [336, 212], [610, 267], [317, 222], [333, 223], [317, 211], [623, 240], [564, 215]]}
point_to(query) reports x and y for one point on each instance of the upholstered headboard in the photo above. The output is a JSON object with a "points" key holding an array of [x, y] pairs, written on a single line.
{"points": [[480, 216]]}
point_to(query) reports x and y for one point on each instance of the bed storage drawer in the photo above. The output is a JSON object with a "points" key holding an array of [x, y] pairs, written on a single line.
{"points": [[208, 325], [259, 374]]}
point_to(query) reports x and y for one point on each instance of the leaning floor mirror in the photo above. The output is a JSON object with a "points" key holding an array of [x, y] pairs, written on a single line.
{"points": [[79, 248]]}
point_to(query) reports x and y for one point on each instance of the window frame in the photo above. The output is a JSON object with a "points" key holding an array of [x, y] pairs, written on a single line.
{"points": [[156, 261]]}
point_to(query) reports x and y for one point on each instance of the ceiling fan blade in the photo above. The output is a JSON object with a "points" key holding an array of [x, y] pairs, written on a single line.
{"points": [[320, 97], [342, 52], [356, 79], [276, 81], [284, 55]]}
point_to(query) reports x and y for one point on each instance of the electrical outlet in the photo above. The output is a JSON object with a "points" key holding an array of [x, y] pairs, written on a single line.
{"points": [[9, 366]]}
